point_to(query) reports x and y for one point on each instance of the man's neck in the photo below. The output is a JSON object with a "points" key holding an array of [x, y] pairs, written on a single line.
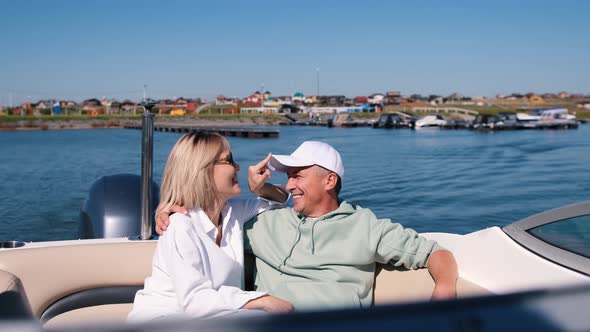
{"points": [[324, 209]]}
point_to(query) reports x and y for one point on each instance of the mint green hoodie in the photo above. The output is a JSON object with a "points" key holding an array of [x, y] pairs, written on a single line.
{"points": [[328, 261]]}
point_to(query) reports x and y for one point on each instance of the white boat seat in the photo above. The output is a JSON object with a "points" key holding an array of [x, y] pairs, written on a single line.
{"points": [[397, 284], [95, 297], [113, 271], [392, 285], [100, 314]]}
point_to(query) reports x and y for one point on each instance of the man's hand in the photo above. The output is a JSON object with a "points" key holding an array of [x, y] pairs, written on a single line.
{"points": [[443, 268], [257, 176], [444, 292], [270, 303], [163, 219]]}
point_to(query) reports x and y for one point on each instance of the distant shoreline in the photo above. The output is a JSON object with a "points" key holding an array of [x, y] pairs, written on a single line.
{"points": [[34, 125], [114, 123], [60, 122]]}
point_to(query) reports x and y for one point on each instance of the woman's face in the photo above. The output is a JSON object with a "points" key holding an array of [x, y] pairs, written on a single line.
{"points": [[225, 175]]}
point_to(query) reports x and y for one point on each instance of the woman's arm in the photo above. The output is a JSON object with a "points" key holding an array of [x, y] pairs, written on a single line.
{"points": [[257, 176], [270, 303]]}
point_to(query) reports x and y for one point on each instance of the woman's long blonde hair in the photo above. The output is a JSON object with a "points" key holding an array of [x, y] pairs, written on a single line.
{"points": [[188, 176]]}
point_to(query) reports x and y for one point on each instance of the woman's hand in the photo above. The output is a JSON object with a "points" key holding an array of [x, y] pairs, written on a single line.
{"points": [[270, 303], [257, 176], [163, 219]]}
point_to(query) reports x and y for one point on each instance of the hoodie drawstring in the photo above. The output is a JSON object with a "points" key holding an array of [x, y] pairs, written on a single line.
{"points": [[312, 240]]}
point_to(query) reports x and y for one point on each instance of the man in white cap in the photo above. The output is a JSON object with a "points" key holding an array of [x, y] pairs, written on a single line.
{"points": [[322, 252], [321, 162]]}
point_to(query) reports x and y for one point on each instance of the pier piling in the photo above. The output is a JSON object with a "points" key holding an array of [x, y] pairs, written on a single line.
{"points": [[243, 132]]}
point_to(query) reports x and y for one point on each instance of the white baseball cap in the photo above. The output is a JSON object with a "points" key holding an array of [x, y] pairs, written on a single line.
{"points": [[307, 154]]}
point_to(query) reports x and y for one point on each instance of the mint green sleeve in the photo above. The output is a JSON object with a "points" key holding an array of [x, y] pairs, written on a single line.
{"points": [[401, 246]]}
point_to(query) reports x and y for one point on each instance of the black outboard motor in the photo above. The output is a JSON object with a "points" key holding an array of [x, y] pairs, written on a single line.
{"points": [[113, 207]]}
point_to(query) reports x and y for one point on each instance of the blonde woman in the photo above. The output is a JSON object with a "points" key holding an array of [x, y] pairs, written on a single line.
{"points": [[197, 269]]}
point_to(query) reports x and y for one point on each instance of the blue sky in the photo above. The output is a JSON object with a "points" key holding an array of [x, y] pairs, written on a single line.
{"points": [[82, 49]]}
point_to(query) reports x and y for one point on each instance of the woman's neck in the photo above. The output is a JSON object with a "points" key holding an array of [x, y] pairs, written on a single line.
{"points": [[214, 213]]}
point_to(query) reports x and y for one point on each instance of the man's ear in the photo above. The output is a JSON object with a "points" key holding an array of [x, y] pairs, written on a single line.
{"points": [[331, 181]]}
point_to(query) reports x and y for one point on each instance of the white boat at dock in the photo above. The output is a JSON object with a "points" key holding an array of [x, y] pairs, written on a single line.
{"points": [[534, 115], [431, 121], [558, 117]]}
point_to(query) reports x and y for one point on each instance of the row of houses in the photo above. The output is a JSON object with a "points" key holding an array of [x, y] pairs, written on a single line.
{"points": [[300, 99], [257, 99], [391, 98], [105, 106]]}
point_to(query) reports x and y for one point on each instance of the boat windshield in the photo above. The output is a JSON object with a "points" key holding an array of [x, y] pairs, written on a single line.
{"points": [[560, 235], [572, 234]]}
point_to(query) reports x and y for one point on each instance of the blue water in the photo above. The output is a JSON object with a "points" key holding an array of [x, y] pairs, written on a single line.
{"points": [[451, 181]]}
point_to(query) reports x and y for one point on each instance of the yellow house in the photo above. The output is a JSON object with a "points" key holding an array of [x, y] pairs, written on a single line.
{"points": [[536, 99], [177, 112]]}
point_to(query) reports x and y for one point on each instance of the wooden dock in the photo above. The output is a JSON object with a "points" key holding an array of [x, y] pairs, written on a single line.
{"points": [[243, 132]]}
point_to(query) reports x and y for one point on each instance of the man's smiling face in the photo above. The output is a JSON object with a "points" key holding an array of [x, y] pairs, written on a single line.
{"points": [[307, 187]]}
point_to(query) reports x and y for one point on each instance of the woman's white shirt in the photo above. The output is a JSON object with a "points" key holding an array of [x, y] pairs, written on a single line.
{"points": [[191, 275]]}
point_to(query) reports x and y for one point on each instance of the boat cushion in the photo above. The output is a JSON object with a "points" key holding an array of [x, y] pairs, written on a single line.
{"points": [[109, 314], [397, 284], [91, 298]]}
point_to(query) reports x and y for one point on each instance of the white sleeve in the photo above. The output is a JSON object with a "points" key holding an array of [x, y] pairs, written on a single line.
{"points": [[195, 293], [246, 209]]}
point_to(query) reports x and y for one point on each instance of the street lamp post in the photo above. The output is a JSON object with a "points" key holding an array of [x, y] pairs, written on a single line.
{"points": [[29, 106], [318, 82], [262, 98]]}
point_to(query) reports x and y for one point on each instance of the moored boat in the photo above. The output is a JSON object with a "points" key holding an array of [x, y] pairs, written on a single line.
{"points": [[547, 118], [431, 121], [394, 120]]}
